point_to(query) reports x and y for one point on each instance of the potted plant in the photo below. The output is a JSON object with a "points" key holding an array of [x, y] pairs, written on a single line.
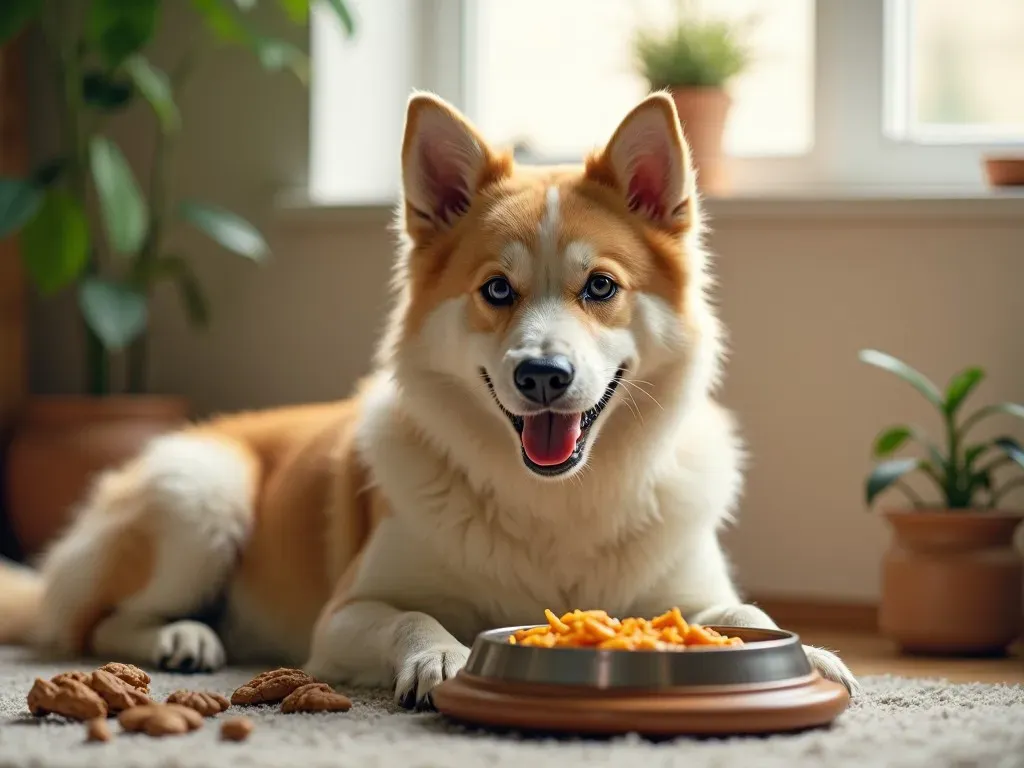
{"points": [[86, 225], [694, 58], [951, 578]]}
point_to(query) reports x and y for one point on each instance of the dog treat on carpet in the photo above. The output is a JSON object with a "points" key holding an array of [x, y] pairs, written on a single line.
{"points": [[97, 730], [82, 677], [271, 687], [236, 729], [596, 629], [206, 704], [315, 697], [118, 694], [70, 698], [130, 674], [157, 719]]}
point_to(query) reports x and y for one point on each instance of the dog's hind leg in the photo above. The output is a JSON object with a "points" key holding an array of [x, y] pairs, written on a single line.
{"points": [[155, 543]]}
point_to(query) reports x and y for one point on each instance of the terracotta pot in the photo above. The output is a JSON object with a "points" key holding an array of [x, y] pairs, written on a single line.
{"points": [[952, 582], [703, 112], [61, 443]]}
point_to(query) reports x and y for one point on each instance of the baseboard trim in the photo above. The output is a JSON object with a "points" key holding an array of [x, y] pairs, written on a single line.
{"points": [[816, 613]]}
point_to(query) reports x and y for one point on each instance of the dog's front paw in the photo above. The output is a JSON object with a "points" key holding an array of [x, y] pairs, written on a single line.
{"points": [[188, 646], [832, 668], [420, 672]]}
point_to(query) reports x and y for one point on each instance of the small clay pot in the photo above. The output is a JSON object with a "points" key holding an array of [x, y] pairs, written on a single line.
{"points": [[952, 582], [61, 443], [703, 112]]}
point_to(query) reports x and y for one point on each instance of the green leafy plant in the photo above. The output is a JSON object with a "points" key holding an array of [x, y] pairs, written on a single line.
{"points": [[962, 471], [84, 221], [692, 51]]}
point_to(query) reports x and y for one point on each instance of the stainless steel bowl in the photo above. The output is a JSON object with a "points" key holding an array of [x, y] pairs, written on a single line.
{"points": [[767, 656]]}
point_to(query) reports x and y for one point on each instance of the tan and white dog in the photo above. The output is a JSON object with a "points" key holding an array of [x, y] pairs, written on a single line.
{"points": [[540, 431]]}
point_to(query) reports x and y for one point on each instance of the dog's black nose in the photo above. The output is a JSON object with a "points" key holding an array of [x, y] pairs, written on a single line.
{"points": [[544, 379]]}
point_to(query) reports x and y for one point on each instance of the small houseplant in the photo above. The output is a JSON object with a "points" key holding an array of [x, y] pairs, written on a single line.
{"points": [[86, 225], [952, 579], [694, 59]]}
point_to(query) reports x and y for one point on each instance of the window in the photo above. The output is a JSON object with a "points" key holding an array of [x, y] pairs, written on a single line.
{"points": [[574, 57], [843, 95], [955, 75]]}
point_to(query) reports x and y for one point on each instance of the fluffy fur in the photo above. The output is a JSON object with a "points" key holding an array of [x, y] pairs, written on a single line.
{"points": [[371, 539]]}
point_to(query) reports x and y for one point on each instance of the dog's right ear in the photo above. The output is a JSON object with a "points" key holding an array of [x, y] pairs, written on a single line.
{"points": [[445, 162]]}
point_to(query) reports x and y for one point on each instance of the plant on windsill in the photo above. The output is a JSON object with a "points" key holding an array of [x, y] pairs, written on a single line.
{"points": [[962, 471], [691, 52], [116, 260]]}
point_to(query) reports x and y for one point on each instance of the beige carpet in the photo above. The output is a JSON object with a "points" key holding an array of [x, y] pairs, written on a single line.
{"points": [[896, 723]]}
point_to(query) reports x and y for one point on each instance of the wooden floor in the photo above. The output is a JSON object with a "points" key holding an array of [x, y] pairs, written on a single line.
{"points": [[867, 654]]}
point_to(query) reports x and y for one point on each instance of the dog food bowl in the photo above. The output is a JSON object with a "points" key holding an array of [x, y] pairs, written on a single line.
{"points": [[765, 685]]}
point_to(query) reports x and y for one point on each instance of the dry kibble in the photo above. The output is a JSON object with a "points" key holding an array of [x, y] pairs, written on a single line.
{"points": [[130, 674], [118, 694], [70, 698], [315, 697], [97, 730], [236, 729], [271, 687], [206, 704], [160, 719]]}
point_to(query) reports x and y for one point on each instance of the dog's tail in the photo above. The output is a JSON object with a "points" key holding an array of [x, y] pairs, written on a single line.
{"points": [[21, 598]]}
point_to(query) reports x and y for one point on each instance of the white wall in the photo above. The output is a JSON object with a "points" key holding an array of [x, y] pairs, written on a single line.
{"points": [[800, 295]]}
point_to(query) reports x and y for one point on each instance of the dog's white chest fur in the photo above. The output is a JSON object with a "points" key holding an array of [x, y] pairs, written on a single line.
{"points": [[482, 554]]}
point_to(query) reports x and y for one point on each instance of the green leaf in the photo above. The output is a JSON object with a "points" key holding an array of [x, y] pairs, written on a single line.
{"points": [[155, 87], [106, 92], [228, 229], [961, 386], [55, 242], [276, 55], [222, 21], [1012, 409], [20, 200], [14, 15], [919, 381], [50, 171], [116, 313], [978, 480], [887, 473], [119, 28], [973, 452], [124, 211], [344, 16], [890, 440], [1012, 449], [189, 289], [296, 10]]}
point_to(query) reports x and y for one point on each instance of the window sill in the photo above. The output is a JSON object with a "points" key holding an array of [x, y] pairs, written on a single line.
{"points": [[818, 207]]}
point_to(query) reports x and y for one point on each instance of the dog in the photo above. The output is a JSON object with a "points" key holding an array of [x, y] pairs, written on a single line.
{"points": [[539, 430]]}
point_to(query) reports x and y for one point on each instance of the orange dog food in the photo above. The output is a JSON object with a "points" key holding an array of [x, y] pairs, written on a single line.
{"points": [[596, 629]]}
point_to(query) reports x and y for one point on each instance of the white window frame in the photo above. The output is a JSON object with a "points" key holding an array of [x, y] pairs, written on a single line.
{"points": [[860, 143]]}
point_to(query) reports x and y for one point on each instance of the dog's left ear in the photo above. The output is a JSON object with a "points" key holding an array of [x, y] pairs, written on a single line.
{"points": [[647, 160], [445, 162]]}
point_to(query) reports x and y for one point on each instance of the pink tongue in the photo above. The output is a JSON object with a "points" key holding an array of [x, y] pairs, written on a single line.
{"points": [[550, 438]]}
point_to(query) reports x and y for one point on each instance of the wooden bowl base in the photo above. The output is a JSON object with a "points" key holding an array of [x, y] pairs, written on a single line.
{"points": [[787, 706]]}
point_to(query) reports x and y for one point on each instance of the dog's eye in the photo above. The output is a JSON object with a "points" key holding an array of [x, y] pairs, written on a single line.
{"points": [[600, 288], [498, 292]]}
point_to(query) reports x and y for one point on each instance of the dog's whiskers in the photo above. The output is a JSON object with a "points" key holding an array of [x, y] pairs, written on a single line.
{"points": [[633, 384]]}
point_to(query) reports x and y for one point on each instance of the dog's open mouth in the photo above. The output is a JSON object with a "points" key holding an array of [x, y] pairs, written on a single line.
{"points": [[553, 441]]}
